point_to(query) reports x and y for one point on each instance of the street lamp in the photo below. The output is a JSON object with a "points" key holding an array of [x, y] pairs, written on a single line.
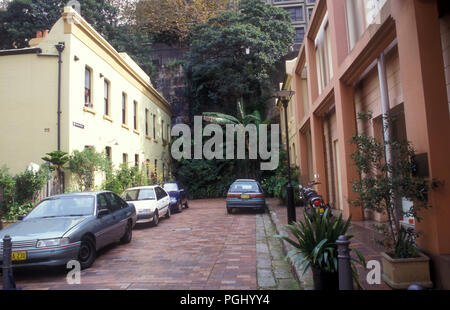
{"points": [[285, 96]]}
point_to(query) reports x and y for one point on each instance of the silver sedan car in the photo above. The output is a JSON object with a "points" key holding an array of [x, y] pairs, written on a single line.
{"points": [[245, 194], [70, 227]]}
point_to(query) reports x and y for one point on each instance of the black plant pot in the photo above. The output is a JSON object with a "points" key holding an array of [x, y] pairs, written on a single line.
{"points": [[325, 281]]}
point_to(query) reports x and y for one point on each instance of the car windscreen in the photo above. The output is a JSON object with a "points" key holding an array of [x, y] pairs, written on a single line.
{"points": [[139, 194], [63, 206], [245, 187], [169, 187], [147, 193], [130, 195]]}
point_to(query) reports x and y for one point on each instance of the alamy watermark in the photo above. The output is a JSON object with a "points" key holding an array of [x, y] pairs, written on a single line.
{"points": [[374, 275], [256, 143], [74, 274]]}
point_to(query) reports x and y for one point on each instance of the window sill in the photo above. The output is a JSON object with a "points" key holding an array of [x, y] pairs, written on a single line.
{"points": [[136, 132], [124, 126], [106, 117], [89, 110], [155, 140], [148, 138]]}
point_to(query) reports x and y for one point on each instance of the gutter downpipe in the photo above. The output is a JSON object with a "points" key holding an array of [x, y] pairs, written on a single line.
{"points": [[60, 48], [387, 135]]}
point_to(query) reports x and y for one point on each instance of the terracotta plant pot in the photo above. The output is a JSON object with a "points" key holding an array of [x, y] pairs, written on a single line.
{"points": [[368, 214], [400, 273], [325, 281], [380, 216]]}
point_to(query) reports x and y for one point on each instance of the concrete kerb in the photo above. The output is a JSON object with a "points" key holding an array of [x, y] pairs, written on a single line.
{"points": [[306, 280]]}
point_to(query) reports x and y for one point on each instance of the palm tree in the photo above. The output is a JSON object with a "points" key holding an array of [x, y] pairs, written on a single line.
{"points": [[56, 160], [242, 119]]}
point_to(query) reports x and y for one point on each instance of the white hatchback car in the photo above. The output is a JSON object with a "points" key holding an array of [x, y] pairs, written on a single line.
{"points": [[151, 203]]}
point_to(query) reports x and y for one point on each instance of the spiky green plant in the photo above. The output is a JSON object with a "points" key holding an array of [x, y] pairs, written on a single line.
{"points": [[314, 243]]}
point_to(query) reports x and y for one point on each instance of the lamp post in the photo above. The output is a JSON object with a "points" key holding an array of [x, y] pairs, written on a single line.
{"points": [[285, 96]]}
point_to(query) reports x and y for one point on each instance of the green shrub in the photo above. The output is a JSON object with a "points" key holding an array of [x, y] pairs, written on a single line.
{"points": [[7, 187], [205, 178], [29, 183], [314, 243], [84, 164], [123, 178], [274, 184], [16, 209], [20, 191], [382, 181]]}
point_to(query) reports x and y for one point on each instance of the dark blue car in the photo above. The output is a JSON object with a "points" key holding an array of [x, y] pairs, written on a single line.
{"points": [[178, 196]]}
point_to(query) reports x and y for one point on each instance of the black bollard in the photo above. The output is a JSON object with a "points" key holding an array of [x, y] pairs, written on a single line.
{"points": [[8, 278], [344, 265]]}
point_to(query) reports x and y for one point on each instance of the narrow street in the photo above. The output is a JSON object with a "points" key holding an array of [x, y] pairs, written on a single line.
{"points": [[201, 248]]}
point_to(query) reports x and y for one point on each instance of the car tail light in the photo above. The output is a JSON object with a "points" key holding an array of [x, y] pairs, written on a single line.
{"points": [[257, 196], [233, 196], [316, 203]]}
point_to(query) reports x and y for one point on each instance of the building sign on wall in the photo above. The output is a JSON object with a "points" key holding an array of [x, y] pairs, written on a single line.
{"points": [[78, 125]]}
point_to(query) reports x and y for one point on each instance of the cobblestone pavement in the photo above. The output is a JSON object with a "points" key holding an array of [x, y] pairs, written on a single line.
{"points": [[273, 270], [201, 248]]}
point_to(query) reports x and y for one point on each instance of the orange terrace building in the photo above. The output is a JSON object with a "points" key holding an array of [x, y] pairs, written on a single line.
{"points": [[379, 56]]}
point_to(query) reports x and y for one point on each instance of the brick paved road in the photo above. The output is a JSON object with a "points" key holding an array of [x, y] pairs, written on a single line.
{"points": [[201, 248]]}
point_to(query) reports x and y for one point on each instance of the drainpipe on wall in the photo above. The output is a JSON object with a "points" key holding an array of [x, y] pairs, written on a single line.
{"points": [[384, 96], [387, 134], [60, 48]]}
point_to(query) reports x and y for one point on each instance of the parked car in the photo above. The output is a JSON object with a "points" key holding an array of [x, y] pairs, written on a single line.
{"points": [[70, 227], [245, 194], [178, 196], [151, 203]]}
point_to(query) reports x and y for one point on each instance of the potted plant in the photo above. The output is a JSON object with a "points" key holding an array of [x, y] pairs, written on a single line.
{"points": [[382, 184], [315, 247]]}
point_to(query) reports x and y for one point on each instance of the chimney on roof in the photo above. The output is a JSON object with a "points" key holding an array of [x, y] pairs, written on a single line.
{"points": [[40, 36]]}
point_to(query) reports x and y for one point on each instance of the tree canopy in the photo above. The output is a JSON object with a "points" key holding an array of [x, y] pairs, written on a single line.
{"points": [[23, 18], [171, 21], [233, 55]]}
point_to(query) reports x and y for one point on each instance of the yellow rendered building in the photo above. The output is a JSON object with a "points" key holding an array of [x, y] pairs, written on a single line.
{"points": [[96, 97], [291, 114]]}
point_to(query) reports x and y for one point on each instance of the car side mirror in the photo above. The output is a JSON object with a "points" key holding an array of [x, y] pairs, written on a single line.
{"points": [[21, 217], [102, 213]]}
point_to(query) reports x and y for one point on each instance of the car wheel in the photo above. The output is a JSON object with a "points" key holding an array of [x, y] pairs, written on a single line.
{"points": [[186, 205], [155, 219], [229, 210], [128, 234], [87, 252], [168, 213], [180, 207]]}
